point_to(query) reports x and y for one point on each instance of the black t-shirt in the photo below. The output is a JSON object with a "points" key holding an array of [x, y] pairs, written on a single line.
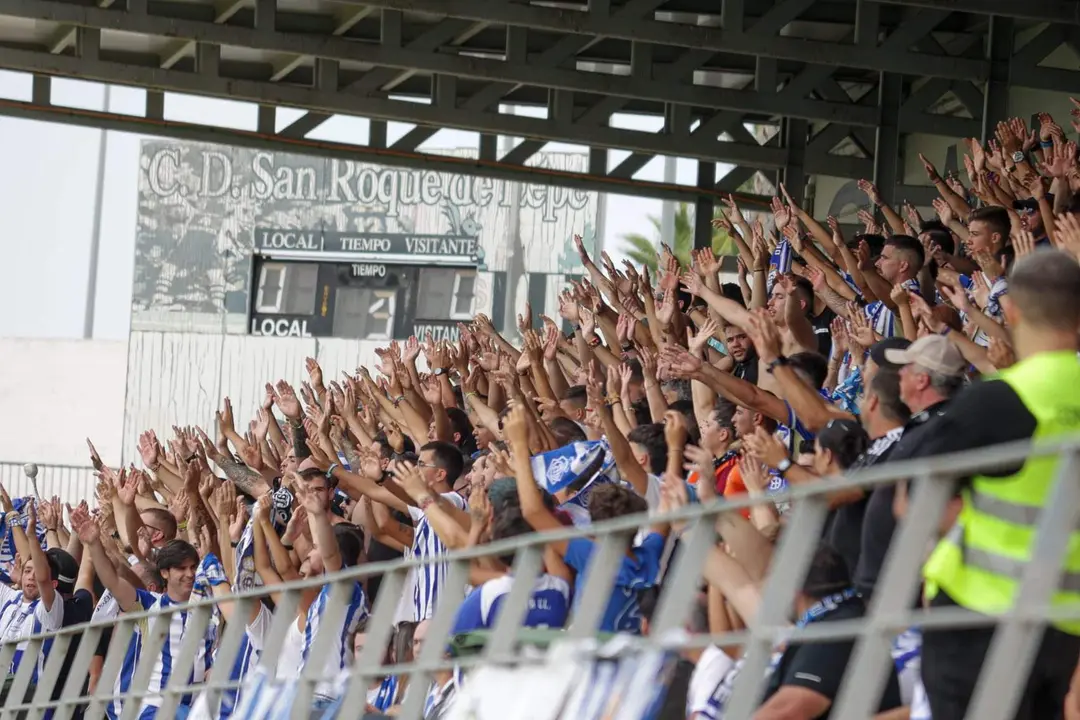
{"points": [[879, 523], [822, 324], [844, 525], [747, 369], [79, 608], [377, 552], [821, 666], [985, 414]]}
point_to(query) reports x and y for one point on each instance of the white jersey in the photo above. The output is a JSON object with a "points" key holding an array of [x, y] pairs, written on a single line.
{"points": [[19, 619], [163, 665], [429, 578]]}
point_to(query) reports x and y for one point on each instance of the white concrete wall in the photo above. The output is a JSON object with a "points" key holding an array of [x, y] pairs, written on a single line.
{"points": [[180, 378], [56, 393]]}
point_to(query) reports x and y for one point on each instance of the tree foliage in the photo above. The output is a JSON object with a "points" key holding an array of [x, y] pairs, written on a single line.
{"points": [[642, 249]]}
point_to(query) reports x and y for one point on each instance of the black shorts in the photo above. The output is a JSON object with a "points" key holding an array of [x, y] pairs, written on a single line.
{"points": [[953, 659]]}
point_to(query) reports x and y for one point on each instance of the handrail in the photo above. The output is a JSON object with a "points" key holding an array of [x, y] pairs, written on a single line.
{"points": [[789, 563]]}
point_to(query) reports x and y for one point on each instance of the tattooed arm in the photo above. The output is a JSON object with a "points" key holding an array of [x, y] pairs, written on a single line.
{"points": [[246, 479]]}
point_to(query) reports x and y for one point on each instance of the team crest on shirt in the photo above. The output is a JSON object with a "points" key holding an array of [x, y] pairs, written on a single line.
{"points": [[558, 467]]}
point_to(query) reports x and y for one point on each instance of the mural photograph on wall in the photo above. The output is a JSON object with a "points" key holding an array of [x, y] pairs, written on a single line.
{"points": [[239, 240]]}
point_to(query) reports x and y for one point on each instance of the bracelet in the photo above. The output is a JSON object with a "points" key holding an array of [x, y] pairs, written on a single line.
{"points": [[594, 342], [287, 546], [397, 400], [330, 472], [1046, 145], [181, 526], [472, 393], [12, 517], [612, 400], [234, 543], [50, 529]]}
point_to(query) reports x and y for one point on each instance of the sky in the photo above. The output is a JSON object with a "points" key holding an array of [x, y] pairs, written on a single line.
{"points": [[49, 178]]}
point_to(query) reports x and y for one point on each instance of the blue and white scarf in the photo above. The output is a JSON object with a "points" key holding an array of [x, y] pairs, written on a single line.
{"points": [[7, 544], [557, 469]]}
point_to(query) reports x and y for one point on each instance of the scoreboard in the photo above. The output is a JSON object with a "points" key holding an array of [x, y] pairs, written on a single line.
{"points": [[362, 286]]}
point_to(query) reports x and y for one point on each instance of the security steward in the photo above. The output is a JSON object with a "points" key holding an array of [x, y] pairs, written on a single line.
{"points": [[978, 564]]}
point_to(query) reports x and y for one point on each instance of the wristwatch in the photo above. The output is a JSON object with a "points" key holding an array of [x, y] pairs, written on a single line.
{"points": [[1018, 157], [783, 466], [778, 362], [439, 371]]}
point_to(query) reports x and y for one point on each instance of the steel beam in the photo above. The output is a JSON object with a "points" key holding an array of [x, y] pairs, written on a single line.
{"points": [[996, 97], [404, 59], [1052, 11], [685, 35], [387, 109], [887, 145], [703, 206], [592, 182]]}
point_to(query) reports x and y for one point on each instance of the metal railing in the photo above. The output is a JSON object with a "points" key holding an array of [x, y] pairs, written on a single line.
{"points": [[70, 483], [890, 610]]}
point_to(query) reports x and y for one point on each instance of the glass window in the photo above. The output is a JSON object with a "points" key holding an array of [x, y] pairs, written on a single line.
{"points": [[364, 313], [287, 288], [446, 294]]}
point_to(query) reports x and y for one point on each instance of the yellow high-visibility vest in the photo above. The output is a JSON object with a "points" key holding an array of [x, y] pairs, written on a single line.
{"points": [[981, 560]]}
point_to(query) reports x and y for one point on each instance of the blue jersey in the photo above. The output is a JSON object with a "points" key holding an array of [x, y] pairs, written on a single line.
{"points": [[635, 573], [548, 605]]}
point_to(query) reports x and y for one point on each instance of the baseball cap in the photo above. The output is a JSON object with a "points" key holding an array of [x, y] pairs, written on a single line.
{"points": [[877, 352], [64, 568], [933, 352]]}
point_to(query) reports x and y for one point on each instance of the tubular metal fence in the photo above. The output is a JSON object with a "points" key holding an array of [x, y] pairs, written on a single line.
{"points": [[69, 482], [890, 610]]}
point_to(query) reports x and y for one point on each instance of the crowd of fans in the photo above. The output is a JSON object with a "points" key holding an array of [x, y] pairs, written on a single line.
{"points": [[912, 338]]}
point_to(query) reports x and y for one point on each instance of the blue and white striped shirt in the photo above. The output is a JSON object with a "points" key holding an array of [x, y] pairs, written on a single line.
{"points": [[19, 620], [163, 665], [882, 319], [429, 578], [341, 653]]}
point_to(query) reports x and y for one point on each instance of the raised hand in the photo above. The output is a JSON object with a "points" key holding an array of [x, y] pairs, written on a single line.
{"points": [[679, 362], [84, 526], [675, 432], [316, 502], [315, 373], [754, 474], [871, 191], [931, 171], [899, 295], [781, 214], [149, 450], [1000, 353], [95, 459], [286, 400], [944, 212], [1024, 243], [516, 425], [696, 343]]}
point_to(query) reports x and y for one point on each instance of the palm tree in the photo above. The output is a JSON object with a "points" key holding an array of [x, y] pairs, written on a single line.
{"points": [[642, 250]]}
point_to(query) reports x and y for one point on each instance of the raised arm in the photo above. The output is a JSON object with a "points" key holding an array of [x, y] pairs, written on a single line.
{"points": [[317, 503], [450, 524], [42, 574], [89, 534], [532, 504]]}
